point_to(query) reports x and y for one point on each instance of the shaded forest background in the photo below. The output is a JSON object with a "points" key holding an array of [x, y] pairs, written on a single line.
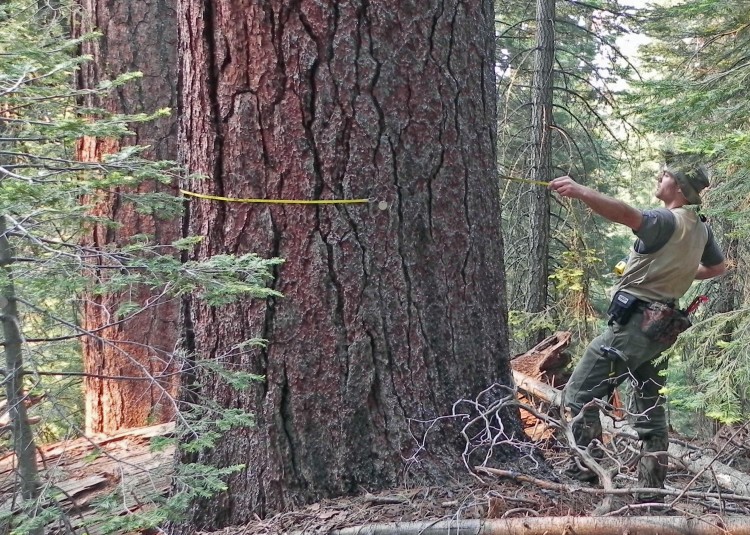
{"points": [[305, 351]]}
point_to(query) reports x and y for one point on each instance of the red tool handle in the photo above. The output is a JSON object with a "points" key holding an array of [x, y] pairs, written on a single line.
{"points": [[698, 301]]}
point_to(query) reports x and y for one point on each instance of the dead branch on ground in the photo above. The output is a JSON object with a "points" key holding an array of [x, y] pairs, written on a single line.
{"points": [[581, 525]]}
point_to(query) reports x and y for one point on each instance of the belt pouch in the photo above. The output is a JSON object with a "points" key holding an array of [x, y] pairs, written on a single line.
{"points": [[622, 307]]}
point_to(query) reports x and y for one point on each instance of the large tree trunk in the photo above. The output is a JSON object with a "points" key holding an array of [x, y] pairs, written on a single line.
{"points": [[137, 36], [392, 310]]}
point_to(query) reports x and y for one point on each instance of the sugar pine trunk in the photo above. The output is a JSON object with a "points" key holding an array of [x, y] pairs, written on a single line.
{"points": [[392, 309]]}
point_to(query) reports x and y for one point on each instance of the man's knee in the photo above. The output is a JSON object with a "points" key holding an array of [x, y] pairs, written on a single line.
{"points": [[651, 423], [654, 442]]}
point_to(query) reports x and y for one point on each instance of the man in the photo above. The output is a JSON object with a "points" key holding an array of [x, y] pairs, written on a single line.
{"points": [[674, 246]]}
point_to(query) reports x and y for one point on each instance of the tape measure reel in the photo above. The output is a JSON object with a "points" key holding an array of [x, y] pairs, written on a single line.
{"points": [[620, 267]]}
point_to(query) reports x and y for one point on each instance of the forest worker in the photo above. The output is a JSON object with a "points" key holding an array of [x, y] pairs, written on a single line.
{"points": [[674, 246]]}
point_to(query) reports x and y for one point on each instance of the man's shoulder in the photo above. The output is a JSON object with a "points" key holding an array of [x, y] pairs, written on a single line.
{"points": [[658, 219], [690, 218], [661, 213]]}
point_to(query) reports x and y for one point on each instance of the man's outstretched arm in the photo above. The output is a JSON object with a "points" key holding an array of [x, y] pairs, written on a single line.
{"points": [[608, 207]]}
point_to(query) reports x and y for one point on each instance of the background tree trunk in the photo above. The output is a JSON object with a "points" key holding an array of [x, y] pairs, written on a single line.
{"points": [[392, 310], [137, 36], [23, 442], [541, 166]]}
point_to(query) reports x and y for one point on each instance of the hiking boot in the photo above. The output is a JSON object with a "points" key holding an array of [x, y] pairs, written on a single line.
{"points": [[652, 468], [576, 470]]}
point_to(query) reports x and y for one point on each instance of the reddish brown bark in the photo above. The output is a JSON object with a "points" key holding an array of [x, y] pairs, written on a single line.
{"points": [[137, 36], [388, 314]]}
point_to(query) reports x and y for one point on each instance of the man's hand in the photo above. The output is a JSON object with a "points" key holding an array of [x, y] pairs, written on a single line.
{"points": [[567, 187]]}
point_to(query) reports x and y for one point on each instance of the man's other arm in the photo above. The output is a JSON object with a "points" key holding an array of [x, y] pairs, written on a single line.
{"points": [[708, 272], [712, 262]]}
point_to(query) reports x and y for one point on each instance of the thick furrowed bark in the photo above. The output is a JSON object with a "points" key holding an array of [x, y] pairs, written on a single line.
{"points": [[391, 311], [137, 37]]}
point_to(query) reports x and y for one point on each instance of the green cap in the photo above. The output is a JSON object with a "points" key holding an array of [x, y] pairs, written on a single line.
{"points": [[691, 176]]}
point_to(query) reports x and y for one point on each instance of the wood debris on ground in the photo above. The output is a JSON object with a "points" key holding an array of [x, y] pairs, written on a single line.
{"points": [[546, 362], [78, 473]]}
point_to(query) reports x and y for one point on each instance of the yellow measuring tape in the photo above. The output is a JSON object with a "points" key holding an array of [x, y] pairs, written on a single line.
{"points": [[273, 201], [324, 201], [525, 180]]}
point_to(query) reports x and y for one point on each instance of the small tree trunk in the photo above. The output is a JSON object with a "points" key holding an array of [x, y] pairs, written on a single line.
{"points": [[541, 169], [23, 436]]}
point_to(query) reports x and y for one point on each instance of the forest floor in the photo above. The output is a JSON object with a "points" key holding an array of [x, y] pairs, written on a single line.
{"points": [[536, 486], [87, 470], [458, 501], [90, 470], [496, 498]]}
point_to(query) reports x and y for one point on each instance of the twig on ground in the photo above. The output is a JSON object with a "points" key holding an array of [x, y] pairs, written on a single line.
{"points": [[385, 500], [560, 487]]}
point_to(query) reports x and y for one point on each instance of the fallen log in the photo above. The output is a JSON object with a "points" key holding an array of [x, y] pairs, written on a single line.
{"points": [[559, 487], [547, 360], [538, 389], [695, 461], [563, 525]]}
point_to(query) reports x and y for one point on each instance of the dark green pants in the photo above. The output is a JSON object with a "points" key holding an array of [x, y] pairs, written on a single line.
{"points": [[595, 376]]}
